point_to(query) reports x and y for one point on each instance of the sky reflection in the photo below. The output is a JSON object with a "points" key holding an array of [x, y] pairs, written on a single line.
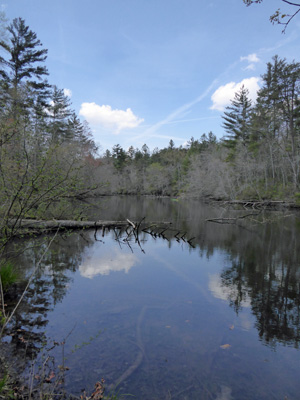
{"points": [[97, 261]]}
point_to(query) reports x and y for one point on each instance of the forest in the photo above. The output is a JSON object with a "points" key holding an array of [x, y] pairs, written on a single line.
{"points": [[48, 155]]}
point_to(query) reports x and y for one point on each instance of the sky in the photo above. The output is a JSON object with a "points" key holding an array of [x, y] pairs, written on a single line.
{"points": [[148, 71]]}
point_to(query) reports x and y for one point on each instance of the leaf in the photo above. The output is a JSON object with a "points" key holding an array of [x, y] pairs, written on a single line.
{"points": [[225, 346], [62, 368], [51, 376]]}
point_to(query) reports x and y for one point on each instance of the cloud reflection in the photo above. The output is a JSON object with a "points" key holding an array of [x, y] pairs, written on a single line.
{"points": [[220, 291], [99, 264]]}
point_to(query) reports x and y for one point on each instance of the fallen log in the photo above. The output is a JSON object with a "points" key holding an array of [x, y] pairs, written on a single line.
{"points": [[69, 224], [131, 230], [258, 204], [230, 220]]}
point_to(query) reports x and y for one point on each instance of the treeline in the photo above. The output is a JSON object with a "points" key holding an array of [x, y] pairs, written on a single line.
{"points": [[44, 148], [258, 157]]}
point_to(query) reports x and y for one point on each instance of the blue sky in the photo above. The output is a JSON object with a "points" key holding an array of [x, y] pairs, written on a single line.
{"points": [[147, 71]]}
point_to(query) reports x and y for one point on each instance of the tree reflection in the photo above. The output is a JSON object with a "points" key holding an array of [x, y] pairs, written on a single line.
{"points": [[265, 272], [264, 252], [47, 288], [52, 278]]}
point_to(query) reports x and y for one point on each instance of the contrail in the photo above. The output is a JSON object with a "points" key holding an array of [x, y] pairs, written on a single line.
{"points": [[183, 109], [179, 111]]}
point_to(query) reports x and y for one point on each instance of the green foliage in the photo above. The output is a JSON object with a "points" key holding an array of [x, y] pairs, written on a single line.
{"points": [[297, 198], [5, 387], [2, 318], [8, 275], [2, 383]]}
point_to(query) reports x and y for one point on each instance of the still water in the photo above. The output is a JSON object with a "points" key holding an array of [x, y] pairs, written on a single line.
{"points": [[166, 320]]}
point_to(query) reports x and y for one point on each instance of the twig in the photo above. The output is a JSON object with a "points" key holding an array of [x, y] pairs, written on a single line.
{"points": [[131, 223], [2, 298]]}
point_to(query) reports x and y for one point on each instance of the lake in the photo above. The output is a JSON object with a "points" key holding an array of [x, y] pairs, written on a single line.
{"points": [[164, 319]]}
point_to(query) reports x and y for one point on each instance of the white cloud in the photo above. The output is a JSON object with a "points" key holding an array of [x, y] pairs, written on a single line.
{"points": [[68, 92], [251, 58], [222, 96], [115, 120]]}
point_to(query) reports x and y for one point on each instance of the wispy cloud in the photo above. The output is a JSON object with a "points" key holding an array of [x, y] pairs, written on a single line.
{"points": [[191, 120], [287, 39], [250, 67]]}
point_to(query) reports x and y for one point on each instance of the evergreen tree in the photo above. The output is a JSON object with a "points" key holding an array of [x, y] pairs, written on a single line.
{"points": [[237, 118], [23, 64], [145, 151], [131, 153], [268, 113], [79, 133], [277, 110], [119, 156], [171, 144], [59, 112]]}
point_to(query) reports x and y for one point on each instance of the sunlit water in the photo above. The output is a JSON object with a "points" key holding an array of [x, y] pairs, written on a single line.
{"points": [[164, 320]]}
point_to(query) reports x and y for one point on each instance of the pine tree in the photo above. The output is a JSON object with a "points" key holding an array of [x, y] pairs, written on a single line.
{"points": [[80, 134], [277, 110], [22, 49], [23, 87], [59, 112], [237, 118], [119, 156]]}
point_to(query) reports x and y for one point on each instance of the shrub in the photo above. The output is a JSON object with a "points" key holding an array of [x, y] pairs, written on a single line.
{"points": [[8, 275]]}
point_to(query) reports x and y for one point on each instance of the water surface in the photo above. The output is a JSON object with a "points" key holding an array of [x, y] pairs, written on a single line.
{"points": [[164, 320]]}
